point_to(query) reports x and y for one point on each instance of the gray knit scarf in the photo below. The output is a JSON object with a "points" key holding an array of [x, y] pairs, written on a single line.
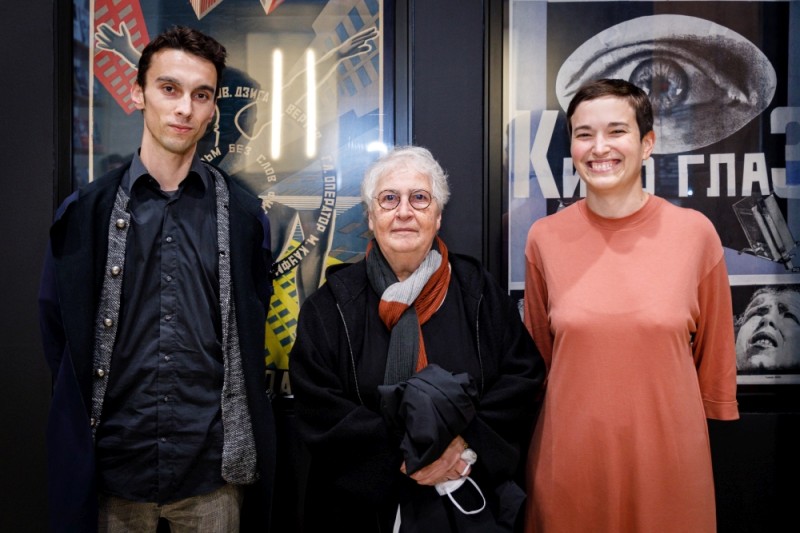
{"points": [[402, 309]]}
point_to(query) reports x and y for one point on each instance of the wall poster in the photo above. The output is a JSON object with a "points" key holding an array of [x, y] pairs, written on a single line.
{"points": [[724, 79], [305, 105]]}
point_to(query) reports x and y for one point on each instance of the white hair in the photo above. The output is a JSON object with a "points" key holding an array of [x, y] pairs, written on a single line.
{"points": [[413, 158]]}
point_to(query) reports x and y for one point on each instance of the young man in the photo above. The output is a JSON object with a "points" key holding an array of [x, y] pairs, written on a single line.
{"points": [[153, 305]]}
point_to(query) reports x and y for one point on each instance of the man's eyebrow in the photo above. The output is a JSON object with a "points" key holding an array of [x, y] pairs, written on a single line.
{"points": [[170, 79]]}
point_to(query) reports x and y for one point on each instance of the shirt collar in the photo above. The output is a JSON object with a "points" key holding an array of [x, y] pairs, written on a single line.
{"points": [[137, 171]]}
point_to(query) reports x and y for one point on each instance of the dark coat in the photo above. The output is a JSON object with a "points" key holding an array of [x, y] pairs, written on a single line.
{"points": [[429, 409], [354, 476], [69, 294]]}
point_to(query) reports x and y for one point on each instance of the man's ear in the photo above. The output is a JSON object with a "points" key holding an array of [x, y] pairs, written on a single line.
{"points": [[137, 95]]}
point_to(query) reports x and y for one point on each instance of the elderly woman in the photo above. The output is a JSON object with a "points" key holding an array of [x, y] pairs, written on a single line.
{"points": [[412, 371]]}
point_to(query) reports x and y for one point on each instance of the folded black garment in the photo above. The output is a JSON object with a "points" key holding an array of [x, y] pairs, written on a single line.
{"points": [[429, 410]]}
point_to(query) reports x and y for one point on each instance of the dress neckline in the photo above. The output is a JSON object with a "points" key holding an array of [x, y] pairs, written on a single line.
{"points": [[633, 220]]}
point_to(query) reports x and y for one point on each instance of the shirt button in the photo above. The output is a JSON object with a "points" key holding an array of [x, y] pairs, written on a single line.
{"points": [[115, 271], [121, 223], [100, 373], [163, 439], [107, 322], [168, 239], [166, 358], [167, 317], [166, 398], [168, 278]]}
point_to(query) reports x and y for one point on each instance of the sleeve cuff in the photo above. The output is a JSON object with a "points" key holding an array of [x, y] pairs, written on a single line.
{"points": [[721, 410]]}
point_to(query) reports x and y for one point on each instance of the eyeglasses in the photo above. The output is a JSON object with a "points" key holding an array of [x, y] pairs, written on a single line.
{"points": [[419, 199]]}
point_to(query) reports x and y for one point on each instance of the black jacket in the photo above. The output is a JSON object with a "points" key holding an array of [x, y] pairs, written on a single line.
{"points": [[355, 458], [68, 298]]}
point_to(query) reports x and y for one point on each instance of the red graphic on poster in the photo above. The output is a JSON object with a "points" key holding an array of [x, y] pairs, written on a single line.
{"points": [[270, 5], [114, 70], [202, 7]]}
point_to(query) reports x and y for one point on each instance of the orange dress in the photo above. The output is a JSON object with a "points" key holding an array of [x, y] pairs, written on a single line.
{"points": [[633, 317]]}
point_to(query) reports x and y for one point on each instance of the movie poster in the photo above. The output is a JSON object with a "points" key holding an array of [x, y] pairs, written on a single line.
{"points": [[303, 108], [724, 81]]}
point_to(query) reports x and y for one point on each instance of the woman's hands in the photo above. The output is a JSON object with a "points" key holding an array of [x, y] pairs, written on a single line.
{"points": [[447, 467]]}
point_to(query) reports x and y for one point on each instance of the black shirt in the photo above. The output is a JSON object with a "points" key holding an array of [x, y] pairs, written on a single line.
{"points": [[160, 434]]}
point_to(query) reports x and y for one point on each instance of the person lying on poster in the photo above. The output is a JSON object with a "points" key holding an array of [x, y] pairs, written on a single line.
{"points": [[627, 298], [768, 332], [412, 371]]}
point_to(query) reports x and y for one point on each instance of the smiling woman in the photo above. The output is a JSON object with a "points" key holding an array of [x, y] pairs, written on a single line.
{"points": [[635, 365]]}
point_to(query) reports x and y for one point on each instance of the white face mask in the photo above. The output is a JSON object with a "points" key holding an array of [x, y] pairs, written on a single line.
{"points": [[449, 487]]}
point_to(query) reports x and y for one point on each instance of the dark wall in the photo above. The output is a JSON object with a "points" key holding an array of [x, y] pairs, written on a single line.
{"points": [[755, 459], [26, 203], [756, 462], [447, 109]]}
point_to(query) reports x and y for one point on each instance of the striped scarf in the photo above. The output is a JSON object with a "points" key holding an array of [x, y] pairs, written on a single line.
{"points": [[406, 305]]}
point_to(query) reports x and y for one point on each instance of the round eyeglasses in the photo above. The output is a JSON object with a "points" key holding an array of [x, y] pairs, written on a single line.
{"points": [[419, 199]]}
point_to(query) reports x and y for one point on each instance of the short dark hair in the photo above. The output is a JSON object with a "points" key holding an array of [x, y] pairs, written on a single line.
{"points": [[187, 39], [635, 96]]}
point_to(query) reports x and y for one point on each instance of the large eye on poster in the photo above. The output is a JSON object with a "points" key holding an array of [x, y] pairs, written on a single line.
{"points": [[692, 68], [722, 81], [303, 107]]}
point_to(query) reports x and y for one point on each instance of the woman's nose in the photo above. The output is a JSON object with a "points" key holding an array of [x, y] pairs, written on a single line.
{"points": [[404, 208], [600, 144]]}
